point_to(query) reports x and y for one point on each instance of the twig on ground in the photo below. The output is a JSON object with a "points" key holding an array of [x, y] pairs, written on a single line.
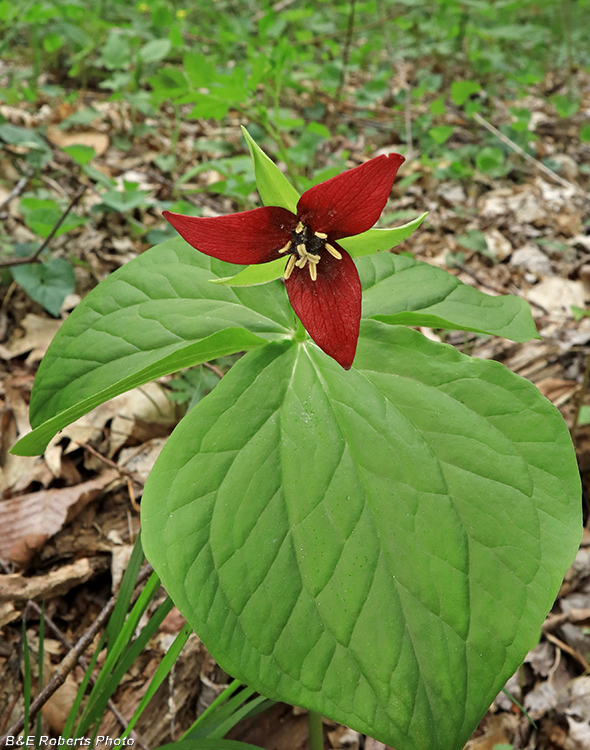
{"points": [[575, 616], [16, 190], [538, 164], [35, 257], [497, 289], [569, 650], [70, 660], [125, 472]]}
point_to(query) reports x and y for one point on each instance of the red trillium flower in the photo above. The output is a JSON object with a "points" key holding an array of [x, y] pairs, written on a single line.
{"points": [[320, 276]]}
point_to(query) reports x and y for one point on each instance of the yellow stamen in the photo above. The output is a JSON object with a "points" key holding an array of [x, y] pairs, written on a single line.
{"points": [[287, 246], [321, 235], [301, 249], [312, 258], [290, 266], [313, 271], [333, 251], [300, 262], [299, 228]]}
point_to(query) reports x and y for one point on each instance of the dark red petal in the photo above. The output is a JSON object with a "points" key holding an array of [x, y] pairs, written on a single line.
{"points": [[330, 306], [351, 202], [246, 237]]}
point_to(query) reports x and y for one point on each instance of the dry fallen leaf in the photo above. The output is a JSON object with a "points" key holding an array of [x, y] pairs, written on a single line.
{"points": [[14, 587], [29, 520], [93, 138], [39, 332], [556, 296], [557, 390]]}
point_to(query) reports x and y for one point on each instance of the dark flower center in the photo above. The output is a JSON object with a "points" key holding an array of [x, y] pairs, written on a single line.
{"points": [[313, 243], [305, 248]]}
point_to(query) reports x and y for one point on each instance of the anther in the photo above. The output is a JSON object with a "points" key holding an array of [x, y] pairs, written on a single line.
{"points": [[333, 251], [301, 262], [299, 228], [301, 249], [290, 266], [313, 271], [287, 246], [321, 235]]}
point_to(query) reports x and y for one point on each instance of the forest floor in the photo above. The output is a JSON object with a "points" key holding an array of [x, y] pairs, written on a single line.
{"points": [[70, 517]]}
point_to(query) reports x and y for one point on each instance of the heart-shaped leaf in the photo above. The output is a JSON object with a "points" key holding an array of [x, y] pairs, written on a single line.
{"points": [[379, 545], [47, 283]]}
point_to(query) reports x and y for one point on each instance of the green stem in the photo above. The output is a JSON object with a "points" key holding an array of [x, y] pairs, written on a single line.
{"points": [[316, 731]]}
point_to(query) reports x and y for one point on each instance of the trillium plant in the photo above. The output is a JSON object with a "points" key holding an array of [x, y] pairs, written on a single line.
{"points": [[357, 519]]}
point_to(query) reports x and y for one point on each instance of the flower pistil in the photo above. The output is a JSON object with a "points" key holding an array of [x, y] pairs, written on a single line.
{"points": [[305, 247]]}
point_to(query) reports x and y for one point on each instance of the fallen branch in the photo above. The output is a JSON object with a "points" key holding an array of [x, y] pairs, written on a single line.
{"points": [[538, 164], [16, 190], [35, 257]]}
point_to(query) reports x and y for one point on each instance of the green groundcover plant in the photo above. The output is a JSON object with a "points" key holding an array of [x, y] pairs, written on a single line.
{"points": [[359, 521]]}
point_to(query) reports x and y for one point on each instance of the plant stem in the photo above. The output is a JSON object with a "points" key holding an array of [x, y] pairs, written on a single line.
{"points": [[316, 731]]}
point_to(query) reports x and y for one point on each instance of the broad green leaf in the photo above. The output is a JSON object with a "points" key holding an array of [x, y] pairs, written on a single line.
{"points": [[274, 188], [400, 290], [261, 273], [155, 315], [18, 136], [155, 50], [376, 240], [380, 545], [47, 283]]}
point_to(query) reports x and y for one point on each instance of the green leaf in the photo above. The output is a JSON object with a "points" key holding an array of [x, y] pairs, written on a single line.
{"points": [[400, 290], [462, 90], [441, 133], [52, 42], [155, 315], [585, 133], [116, 53], [380, 546], [80, 153], [18, 136], [376, 240], [490, 159], [155, 50], [47, 283], [565, 106], [42, 215], [274, 188], [126, 200]]}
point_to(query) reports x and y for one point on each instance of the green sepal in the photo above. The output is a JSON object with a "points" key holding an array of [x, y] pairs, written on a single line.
{"points": [[261, 273], [376, 240], [274, 188]]}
